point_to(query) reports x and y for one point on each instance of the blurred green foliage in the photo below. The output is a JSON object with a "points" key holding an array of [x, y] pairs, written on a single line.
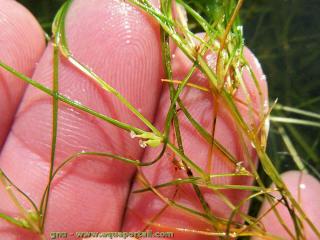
{"points": [[285, 36]]}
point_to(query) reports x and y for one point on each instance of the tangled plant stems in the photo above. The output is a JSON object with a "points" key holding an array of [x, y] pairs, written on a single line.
{"points": [[224, 37]]}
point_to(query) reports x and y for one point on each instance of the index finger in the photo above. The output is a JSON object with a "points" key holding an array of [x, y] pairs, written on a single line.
{"points": [[22, 43]]}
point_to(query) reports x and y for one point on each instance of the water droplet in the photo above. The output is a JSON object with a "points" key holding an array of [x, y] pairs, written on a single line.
{"points": [[173, 56], [257, 63], [128, 41], [142, 144], [77, 102], [302, 186], [267, 125], [266, 104], [217, 44], [240, 28]]}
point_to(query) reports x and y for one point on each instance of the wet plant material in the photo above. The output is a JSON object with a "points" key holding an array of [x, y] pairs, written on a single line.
{"points": [[223, 35]]}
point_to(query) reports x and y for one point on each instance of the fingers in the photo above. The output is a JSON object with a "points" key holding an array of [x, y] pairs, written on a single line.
{"points": [[305, 189], [22, 43], [146, 210], [120, 44]]}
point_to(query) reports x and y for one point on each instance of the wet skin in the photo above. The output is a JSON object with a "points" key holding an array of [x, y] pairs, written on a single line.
{"points": [[121, 44]]}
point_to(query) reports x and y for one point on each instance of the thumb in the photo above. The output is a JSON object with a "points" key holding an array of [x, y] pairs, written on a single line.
{"points": [[305, 189]]}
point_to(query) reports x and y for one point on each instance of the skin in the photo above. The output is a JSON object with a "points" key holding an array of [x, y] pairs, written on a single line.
{"points": [[305, 189], [25, 50], [121, 44]]}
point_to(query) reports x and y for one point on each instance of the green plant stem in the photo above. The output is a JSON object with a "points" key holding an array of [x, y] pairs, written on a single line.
{"points": [[70, 102], [55, 104]]}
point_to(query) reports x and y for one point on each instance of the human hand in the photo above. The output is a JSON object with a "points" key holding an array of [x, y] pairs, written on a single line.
{"points": [[121, 44]]}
